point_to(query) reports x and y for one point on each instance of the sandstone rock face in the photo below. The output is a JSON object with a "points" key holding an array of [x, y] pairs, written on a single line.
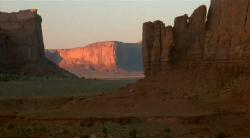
{"points": [[220, 38], [157, 44], [103, 58], [21, 38], [100, 57], [22, 47]]}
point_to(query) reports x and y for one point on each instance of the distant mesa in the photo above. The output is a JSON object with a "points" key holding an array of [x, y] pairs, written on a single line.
{"points": [[22, 47], [105, 60]]}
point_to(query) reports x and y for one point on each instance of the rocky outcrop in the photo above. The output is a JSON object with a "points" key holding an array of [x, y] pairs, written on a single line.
{"points": [[22, 47], [111, 59], [157, 44], [21, 38], [220, 38]]}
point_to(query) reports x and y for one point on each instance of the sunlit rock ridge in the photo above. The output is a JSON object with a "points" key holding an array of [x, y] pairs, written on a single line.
{"points": [[109, 59]]}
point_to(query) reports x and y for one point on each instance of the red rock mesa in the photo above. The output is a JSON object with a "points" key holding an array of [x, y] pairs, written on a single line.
{"points": [[101, 60]]}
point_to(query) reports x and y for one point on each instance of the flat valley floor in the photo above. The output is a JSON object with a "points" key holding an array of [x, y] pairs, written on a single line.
{"points": [[95, 109]]}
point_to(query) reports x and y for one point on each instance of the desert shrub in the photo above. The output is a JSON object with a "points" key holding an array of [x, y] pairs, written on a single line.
{"points": [[104, 130], [167, 133], [86, 136], [221, 135], [133, 133], [87, 124], [2, 134], [90, 124], [82, 124], [26, 132], [43, 129], [65, 131], [167, 130], [10, 127]]}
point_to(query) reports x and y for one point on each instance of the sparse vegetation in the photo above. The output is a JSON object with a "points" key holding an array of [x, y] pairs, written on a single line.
{"points": [[10, 127], [43, 129], [86, 136], [167, 133], [133, 133], [104, 130], [167, 130], [12, 77], [221, 135], [82, 124], [53, 87]]}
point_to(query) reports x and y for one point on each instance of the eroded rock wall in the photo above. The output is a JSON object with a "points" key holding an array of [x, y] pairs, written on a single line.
{"points": [[22, 47], [220, 37], [157, 44], [21, 38]]}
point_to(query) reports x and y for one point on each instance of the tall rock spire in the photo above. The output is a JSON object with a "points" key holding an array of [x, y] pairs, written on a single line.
{"points": [[221, 36]]}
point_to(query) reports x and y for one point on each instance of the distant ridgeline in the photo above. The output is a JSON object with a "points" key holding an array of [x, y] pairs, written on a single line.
{"points": [[22, 47], [102, 59]]}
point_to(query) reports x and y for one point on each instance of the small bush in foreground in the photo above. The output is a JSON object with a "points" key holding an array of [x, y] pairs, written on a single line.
{"points": [[133, 133], [221, 135], [167, 133], [10, 127]]}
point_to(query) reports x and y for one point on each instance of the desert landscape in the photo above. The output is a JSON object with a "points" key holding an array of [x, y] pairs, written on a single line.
{"points": [[191, 79]]}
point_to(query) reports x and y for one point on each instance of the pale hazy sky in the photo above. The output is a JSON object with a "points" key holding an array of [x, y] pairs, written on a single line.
{"points": [[75, 23]]}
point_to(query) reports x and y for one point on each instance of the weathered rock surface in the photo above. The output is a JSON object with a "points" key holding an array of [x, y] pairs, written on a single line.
{"points": [[220, 38], [157, 44], [21, 37], [102, 59], [21, 45]]}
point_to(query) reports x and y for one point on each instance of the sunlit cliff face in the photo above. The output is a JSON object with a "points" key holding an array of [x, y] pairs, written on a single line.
{"points": [[109, 59], [99, 57]]}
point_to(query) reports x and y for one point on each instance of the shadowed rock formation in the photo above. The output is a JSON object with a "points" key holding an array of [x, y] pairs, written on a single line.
{"points": [[21, 34], [22, 47], [102, 59], [204, 54], [220, 38]]}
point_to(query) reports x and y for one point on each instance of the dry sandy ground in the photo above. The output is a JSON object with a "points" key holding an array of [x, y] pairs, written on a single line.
{"points": [[150, 117], [147, 109]]}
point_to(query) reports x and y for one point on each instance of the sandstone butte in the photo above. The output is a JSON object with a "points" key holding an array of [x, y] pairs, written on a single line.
{"points": [[22, 47], [109, 59]]}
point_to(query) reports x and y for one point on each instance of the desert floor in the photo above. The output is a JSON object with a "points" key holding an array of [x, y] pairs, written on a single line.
{"points": [[96, 108]]}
